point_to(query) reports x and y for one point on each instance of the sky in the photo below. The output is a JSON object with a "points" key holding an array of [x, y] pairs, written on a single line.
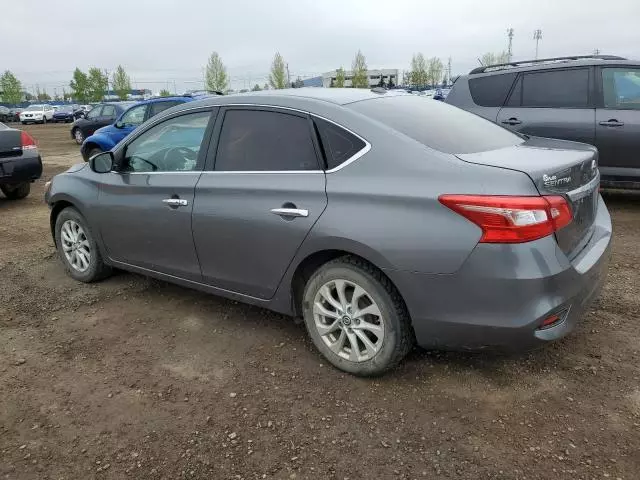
{"points": [[163, 43]]}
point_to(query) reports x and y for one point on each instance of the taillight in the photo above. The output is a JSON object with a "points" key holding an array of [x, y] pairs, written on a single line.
{"points": [[27, 141], [507, 219]]}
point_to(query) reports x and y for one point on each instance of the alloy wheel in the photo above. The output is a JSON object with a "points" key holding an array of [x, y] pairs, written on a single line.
{"points": [[75, 245], [348, 320]]}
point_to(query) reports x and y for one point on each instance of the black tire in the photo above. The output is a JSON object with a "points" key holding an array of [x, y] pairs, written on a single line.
{"points": [[16, 192], [44, 120], [24, 123], [96, 270], [93, 151], [398, 333], [77, 139]]}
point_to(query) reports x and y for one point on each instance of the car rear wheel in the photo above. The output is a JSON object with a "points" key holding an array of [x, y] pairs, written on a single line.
{"points": [[16, 192], [78, 136], [77, 248], [44, 120], [356, 317]]}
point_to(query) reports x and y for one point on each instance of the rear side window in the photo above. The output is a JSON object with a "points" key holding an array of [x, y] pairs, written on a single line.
{"points": [[436, 124], [556, 89], [108, 111], [491, 91], [158, 107], [261, 140], [338, 144]]}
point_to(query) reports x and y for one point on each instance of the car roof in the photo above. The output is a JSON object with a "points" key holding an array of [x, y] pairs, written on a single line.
{"points": [[336, 96], [552, 63]]}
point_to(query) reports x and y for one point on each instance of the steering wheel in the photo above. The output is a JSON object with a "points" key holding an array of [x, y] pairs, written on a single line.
{"points": [[184, 152]]}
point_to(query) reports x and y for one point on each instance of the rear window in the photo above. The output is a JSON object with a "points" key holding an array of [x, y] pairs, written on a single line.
{"points": [[437, 125], [491, 91]]}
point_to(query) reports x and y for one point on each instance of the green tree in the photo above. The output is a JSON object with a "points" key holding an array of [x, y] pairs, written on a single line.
{"points": [[418, 75], [43, 96], [79, 86], [98, 84], [265, 86], [494, 58], [434, 71], [216, 78], [298, 83], [165, 93], [278, 76], [359, 78], [256, 88], [339, 83], [121, 83], [10, 88]]}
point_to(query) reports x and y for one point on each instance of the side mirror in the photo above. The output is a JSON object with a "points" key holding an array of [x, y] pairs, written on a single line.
{"points": [[102, 162], [119, 125]]}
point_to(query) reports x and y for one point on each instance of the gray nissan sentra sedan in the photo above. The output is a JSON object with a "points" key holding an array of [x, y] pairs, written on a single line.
{"points": [[383, 219]]}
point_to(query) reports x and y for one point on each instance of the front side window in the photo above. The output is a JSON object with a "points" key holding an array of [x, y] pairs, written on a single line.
{"points": [[108, 111], [260, 140], [170, 146], [556, 89], [134, 116], [621, 88], [94, 112]]}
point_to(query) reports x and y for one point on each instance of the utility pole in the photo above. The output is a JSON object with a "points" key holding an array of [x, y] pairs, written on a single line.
{"points": [[509, 49], [537, 36], [288, 77], [596, 51], [449, 72]]}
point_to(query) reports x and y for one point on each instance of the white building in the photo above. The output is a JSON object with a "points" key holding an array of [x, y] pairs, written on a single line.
{"points": [[388, 75]]}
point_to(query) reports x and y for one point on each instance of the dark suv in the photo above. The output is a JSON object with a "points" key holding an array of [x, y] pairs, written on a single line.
{"points": [[590, 99]]}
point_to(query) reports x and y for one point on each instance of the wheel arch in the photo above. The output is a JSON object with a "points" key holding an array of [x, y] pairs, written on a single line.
{"points": [[313, 261]]}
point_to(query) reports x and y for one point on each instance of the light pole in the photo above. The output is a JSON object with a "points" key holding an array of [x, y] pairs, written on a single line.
{"points": [[509, 50], [537, 35]]}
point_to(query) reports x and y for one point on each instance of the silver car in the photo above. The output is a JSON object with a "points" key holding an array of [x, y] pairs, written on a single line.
{"points": [[383, 219]]}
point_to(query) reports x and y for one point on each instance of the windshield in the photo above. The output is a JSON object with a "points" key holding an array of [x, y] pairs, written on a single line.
{"points": [[35, 107]]}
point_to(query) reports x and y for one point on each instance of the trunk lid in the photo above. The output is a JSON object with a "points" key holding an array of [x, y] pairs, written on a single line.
{"points": [[556, 167]]}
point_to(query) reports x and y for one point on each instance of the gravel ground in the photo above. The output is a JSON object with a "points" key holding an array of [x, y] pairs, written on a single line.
{"points": [[135, 378]]}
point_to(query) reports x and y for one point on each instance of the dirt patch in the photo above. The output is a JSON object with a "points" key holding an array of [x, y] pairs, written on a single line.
{"points": [[134, 378]]}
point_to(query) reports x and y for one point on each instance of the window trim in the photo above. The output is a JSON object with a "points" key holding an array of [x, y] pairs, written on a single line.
{"points": [[210, 164], [600, 86], [520, 80]]}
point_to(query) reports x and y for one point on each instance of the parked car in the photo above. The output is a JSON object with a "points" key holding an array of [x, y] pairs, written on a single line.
{"points": [[472, 237], [36, 114], [106, 138], [5, 114], [591, 99], [99, 116], [15, 114], [67, 113], [20, 162]]}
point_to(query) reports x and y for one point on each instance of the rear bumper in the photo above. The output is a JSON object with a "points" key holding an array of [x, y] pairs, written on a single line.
{"points": [[25, 168], [502, 293]]}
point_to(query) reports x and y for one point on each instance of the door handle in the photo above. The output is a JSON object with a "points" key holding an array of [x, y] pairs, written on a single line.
{"points": [[512, 121], [290, 212], [612, 123], [176, 202]]}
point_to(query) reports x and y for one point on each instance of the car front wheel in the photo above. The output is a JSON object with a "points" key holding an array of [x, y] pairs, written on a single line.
{"points": [[77, 247], [16, 192], [356, 317]]}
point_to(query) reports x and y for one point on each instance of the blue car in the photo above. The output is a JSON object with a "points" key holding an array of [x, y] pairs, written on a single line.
{"points": [[107, 137]]}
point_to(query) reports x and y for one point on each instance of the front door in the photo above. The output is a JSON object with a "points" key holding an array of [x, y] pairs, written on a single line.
{"points": [[145, 207], [107, 116], [552, 103], [618, 121], [256, 206]]}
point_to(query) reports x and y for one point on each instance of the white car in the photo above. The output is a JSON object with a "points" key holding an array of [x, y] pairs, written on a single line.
{"points": [[37, 114]]}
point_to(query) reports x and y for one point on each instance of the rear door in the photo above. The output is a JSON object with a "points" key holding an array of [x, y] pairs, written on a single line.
{"points": [[556, 103], [257, 203], [618, 120]]}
